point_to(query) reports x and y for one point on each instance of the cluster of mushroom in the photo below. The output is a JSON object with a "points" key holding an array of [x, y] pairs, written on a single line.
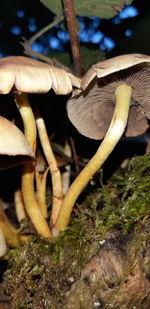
{"points": [[112, 100], [20, 76]]}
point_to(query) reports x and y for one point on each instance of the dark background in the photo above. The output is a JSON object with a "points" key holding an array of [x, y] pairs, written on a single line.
{"points": [[37, 16], [53, 108]]}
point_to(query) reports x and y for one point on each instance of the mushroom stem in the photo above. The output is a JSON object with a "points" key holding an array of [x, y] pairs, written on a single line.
{"points": [[117, 126], [30, 203], [25, 110], [19, 206], [54, 170], [10, 232]]}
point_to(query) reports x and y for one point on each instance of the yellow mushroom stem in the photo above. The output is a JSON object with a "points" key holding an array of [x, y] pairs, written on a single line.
{"points": [[10, 232], [117, 126], [30, 203]]}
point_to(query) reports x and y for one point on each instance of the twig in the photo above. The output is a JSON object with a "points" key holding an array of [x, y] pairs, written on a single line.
{"points": [[28, 49], [56, 21], [73, 34]]}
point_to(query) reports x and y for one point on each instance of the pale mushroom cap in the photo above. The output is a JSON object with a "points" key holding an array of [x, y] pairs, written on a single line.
{"points": [[91, 110], [32, 76], [112, 65], [13, 143]]}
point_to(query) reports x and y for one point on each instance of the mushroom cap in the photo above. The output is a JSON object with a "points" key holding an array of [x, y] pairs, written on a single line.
{"points": [[91, 109], [32, 76], [14, 148], [112, 65]]}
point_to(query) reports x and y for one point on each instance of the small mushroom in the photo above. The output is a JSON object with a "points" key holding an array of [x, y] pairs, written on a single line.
{"points": [[114, 100], [22, 75], [14, 150]]}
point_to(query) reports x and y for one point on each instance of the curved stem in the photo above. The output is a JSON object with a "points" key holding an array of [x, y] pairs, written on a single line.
{"points": [[54, 170], [118, 123], [56, 21], [30, 203]]}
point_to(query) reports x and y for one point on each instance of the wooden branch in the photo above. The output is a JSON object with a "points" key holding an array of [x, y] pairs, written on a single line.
{"points": [[73, 35]]}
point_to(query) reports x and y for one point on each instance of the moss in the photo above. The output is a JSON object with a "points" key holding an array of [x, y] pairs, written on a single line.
{"points": [[126, 197], [42, 272]]}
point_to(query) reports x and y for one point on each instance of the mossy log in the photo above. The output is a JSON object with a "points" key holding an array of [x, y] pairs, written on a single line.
{"points": [[101, 261]]}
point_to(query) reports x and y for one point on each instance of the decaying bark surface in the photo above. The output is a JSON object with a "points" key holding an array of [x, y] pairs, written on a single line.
{"points": [[101, 261], [113, 278]]}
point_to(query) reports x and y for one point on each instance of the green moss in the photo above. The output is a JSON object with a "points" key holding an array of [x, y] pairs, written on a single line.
{"points": [[126, 197], [41, 272]]}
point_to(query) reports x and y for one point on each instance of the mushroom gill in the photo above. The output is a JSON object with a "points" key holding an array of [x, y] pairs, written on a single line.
{"points": [[91, 110]]}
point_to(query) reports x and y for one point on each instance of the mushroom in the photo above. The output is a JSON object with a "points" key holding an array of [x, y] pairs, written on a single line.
{"points": [[114, 100], [14, 148], [23, 75]]}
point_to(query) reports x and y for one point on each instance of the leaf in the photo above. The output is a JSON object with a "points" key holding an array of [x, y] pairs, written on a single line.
{"points": [[91, 56], [99, 8], [64, 58]]}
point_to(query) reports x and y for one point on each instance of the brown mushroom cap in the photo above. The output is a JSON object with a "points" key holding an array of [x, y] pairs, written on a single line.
{"points": [[91, 110], [32, 76], [14, 148]]}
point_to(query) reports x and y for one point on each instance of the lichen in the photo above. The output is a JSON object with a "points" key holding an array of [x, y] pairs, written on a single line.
{"points": [[41, 273]]}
